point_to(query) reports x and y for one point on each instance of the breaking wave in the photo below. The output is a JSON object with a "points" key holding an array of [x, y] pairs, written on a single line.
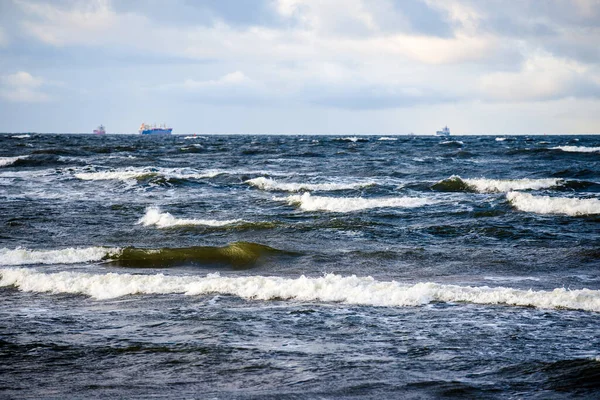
{"points": [[21, 136], [307, 202], [577, 149], [352, 139], [124, 174], [457, 143], [553, 205], [153, 216], [237, 254], [271, 184], [6, 161], [387, 138], [457, 184], [21, 256], [329, 288]]}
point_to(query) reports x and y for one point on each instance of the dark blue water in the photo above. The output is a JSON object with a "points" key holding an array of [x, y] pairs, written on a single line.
{"points": [[299, 266]]}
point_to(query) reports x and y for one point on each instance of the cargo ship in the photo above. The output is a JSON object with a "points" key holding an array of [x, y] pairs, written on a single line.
{"points": [[146, 129], [100, 130], [443, 132]]}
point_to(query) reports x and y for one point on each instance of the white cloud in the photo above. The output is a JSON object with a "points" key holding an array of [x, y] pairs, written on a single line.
{"points": [[344, 30], [233, 87], [233, 78], [22, 87], [337, 42], [542, 77]]}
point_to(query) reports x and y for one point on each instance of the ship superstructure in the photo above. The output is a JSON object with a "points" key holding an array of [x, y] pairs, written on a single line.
{"points": [[443, 132], [146, 129], [100, 130]]}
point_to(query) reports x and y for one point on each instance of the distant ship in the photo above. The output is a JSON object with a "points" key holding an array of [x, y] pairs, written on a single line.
{"points": [[443, 132], [146, 129], [100, 130]]}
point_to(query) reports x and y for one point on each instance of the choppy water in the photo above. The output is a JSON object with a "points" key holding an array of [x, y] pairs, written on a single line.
{"points": [[299, 266]]}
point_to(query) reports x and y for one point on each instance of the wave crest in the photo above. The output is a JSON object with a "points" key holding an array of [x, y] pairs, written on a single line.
{"points": [[307, 202], [155, 217], [329, 288], [6, 161], [124, 174], [457, 184], [577, 149], [271, 184], [237, 254], [21, 256], [553, 205]]}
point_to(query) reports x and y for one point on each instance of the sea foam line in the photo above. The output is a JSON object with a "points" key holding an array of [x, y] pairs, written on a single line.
{"points": [[22, 256], [271, 184], [307, 202], [577, 149], [328, 288], [160, 219], [553, 205]]}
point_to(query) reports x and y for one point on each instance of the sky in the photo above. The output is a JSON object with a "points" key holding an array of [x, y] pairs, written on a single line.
{"points": [[301, 66]]}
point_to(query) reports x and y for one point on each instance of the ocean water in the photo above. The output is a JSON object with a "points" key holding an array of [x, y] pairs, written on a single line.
{"points": [[299, 267]]}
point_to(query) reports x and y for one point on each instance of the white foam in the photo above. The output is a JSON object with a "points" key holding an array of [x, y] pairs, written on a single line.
{"points": [[553, 205], [153, 216], [353, 139], [271, 184], [307, 202], [5, 161], [505, 185], [384, 138], [195, 137], [124, 174], [452, 142], [577, 149], [112, 175], [21, 256], [21, 136], [329, 288], [500, 139]]}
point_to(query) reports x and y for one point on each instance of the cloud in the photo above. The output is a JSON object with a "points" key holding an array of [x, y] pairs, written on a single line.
{"points": [[22, 87], [334, 56], [349, 30], [231, 79], [542, 77], [3, 38], [231, 88]]}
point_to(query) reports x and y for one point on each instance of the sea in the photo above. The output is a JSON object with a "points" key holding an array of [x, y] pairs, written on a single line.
{"points": [[299, 266]]}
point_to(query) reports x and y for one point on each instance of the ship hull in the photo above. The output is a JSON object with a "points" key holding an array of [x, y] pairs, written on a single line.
{"points": [[156, 131]]}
